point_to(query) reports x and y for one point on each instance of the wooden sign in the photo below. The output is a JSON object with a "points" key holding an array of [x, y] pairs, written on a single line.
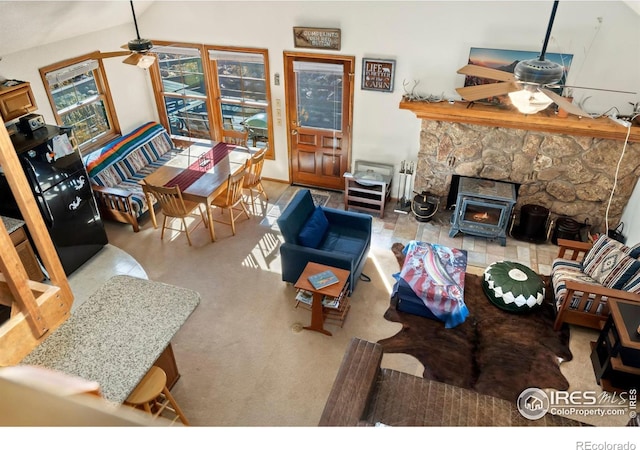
{"points": [[377, 74], [325, 38]]}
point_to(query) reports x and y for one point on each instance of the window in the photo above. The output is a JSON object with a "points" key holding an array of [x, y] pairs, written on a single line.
{"points": [[182, 86], [243, 92], [203, 89], [80, 99]]}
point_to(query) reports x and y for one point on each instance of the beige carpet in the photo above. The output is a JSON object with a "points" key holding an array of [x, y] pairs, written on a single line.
{"points": [[243, 360]]}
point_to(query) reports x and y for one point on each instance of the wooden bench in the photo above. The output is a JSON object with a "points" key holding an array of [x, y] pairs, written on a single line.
{"points": [[116, 169]]}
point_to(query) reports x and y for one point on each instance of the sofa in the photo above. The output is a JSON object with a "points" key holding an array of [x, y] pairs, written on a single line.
{"points": [[322, 235], [364, 394], [584, 276], [116, 169]]}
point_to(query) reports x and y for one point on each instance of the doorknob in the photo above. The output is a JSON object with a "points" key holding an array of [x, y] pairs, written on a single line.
{"points": [[294, 132]]}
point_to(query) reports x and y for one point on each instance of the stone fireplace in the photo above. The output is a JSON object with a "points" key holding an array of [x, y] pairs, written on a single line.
{"points": [[571, 175]]}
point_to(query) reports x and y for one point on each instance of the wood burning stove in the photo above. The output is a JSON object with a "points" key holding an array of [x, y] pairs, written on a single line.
{"points": [[483, 208]]}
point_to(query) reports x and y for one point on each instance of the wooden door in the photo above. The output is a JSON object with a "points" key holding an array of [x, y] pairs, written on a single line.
{"points": [[319, 104]]}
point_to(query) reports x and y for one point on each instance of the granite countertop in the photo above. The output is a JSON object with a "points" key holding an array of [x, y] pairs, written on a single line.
{"points": [[11, 224], [117, 334]]}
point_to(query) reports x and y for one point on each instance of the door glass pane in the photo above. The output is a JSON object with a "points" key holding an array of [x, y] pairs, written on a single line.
{"points": [[483, 214], [319, 98]]}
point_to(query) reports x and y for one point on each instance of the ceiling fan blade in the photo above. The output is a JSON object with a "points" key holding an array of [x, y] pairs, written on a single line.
{"points": [[133, 59], [594, 89], [113, 54], [486, 72], [471, 93], [564, 103]]}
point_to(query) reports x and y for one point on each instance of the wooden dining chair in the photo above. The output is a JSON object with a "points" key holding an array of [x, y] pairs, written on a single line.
{"points": [[175, 207], [235, 137], [232, 200], [253, 178]]}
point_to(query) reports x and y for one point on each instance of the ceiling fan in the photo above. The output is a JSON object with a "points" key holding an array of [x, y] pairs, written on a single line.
{"points": [[139, 49], [529, 86]]}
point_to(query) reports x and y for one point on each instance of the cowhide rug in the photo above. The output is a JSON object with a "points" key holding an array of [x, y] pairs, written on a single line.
{"points": [[493, 352]]}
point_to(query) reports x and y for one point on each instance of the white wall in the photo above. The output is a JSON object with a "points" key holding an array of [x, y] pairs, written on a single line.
{"points": [[429, 40]]}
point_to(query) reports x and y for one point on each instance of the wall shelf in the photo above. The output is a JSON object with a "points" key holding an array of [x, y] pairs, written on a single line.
{"points": [[508, 117]]}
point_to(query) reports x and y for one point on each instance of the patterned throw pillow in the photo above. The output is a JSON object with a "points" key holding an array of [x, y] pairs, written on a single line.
{"points": [[633, 285], [610, 265], [601, 243], [634, 251]]}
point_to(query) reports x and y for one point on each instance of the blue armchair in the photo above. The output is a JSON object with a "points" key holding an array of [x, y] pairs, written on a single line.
{"points": [[342, 242]]}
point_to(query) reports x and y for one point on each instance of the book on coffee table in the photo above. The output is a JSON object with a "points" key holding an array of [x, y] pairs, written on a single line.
{"points": [[323, 279]]}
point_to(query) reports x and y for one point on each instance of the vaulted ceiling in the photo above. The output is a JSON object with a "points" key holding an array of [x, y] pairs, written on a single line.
{"points": [[28, 24]]}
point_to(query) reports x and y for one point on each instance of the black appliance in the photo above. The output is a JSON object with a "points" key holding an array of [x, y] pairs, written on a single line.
{"points": [[62, 191], [534, 224], [566, 228]]}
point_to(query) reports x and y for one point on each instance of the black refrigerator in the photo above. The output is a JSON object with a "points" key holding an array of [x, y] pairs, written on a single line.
{"points": [[62, 191]]}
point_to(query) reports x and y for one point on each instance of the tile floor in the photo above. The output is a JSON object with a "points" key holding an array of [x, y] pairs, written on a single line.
{"points": [[400, 227]]}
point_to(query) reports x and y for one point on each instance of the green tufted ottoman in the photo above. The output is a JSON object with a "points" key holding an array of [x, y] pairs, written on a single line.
{"points": [[513, 286]]}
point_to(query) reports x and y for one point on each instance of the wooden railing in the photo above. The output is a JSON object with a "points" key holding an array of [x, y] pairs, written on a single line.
{"points": [[37, 309]]}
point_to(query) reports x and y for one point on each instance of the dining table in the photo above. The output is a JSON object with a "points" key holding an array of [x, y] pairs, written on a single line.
{"points": [[202, 173]]}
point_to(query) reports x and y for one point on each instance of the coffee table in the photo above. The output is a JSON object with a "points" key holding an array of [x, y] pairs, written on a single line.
{"points": [[334, 290]]}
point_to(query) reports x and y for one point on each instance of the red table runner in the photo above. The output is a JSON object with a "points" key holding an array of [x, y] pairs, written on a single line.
{"points": [[198, 168]]}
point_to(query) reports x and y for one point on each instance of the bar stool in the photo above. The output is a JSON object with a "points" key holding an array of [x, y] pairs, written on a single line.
{"points": [[153, 396]]}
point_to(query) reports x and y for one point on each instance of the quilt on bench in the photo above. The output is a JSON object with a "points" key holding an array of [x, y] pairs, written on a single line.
{"points": [[123, 162]]}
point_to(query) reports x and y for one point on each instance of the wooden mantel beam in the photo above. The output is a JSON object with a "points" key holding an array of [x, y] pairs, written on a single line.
{"points": [[507, 117]]}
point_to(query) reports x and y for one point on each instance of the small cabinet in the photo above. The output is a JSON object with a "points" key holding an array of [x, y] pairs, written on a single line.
{"points": [[16, 101]]}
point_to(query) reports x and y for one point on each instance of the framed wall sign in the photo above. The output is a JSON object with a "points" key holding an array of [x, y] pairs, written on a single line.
{"points": [[377, 74], [325, 38]]}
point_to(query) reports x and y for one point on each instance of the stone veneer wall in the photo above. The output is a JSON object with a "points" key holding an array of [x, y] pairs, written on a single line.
{"points": [[570, 175]]}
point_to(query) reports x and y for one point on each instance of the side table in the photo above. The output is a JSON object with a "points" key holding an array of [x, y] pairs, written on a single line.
{"points": [[368, 188], [335, 290], [616, 354]]}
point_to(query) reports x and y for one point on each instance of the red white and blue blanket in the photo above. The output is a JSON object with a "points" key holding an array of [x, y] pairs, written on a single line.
{"points": [[436, 274]]}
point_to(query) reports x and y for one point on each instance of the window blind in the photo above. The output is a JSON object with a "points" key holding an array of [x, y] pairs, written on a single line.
{"points": [[183, 51], [315, 67], [69, 72], [236, 56]]}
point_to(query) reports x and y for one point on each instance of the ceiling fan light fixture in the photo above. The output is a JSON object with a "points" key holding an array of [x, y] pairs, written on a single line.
{"points": [[528, 101], [146, 61]]}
